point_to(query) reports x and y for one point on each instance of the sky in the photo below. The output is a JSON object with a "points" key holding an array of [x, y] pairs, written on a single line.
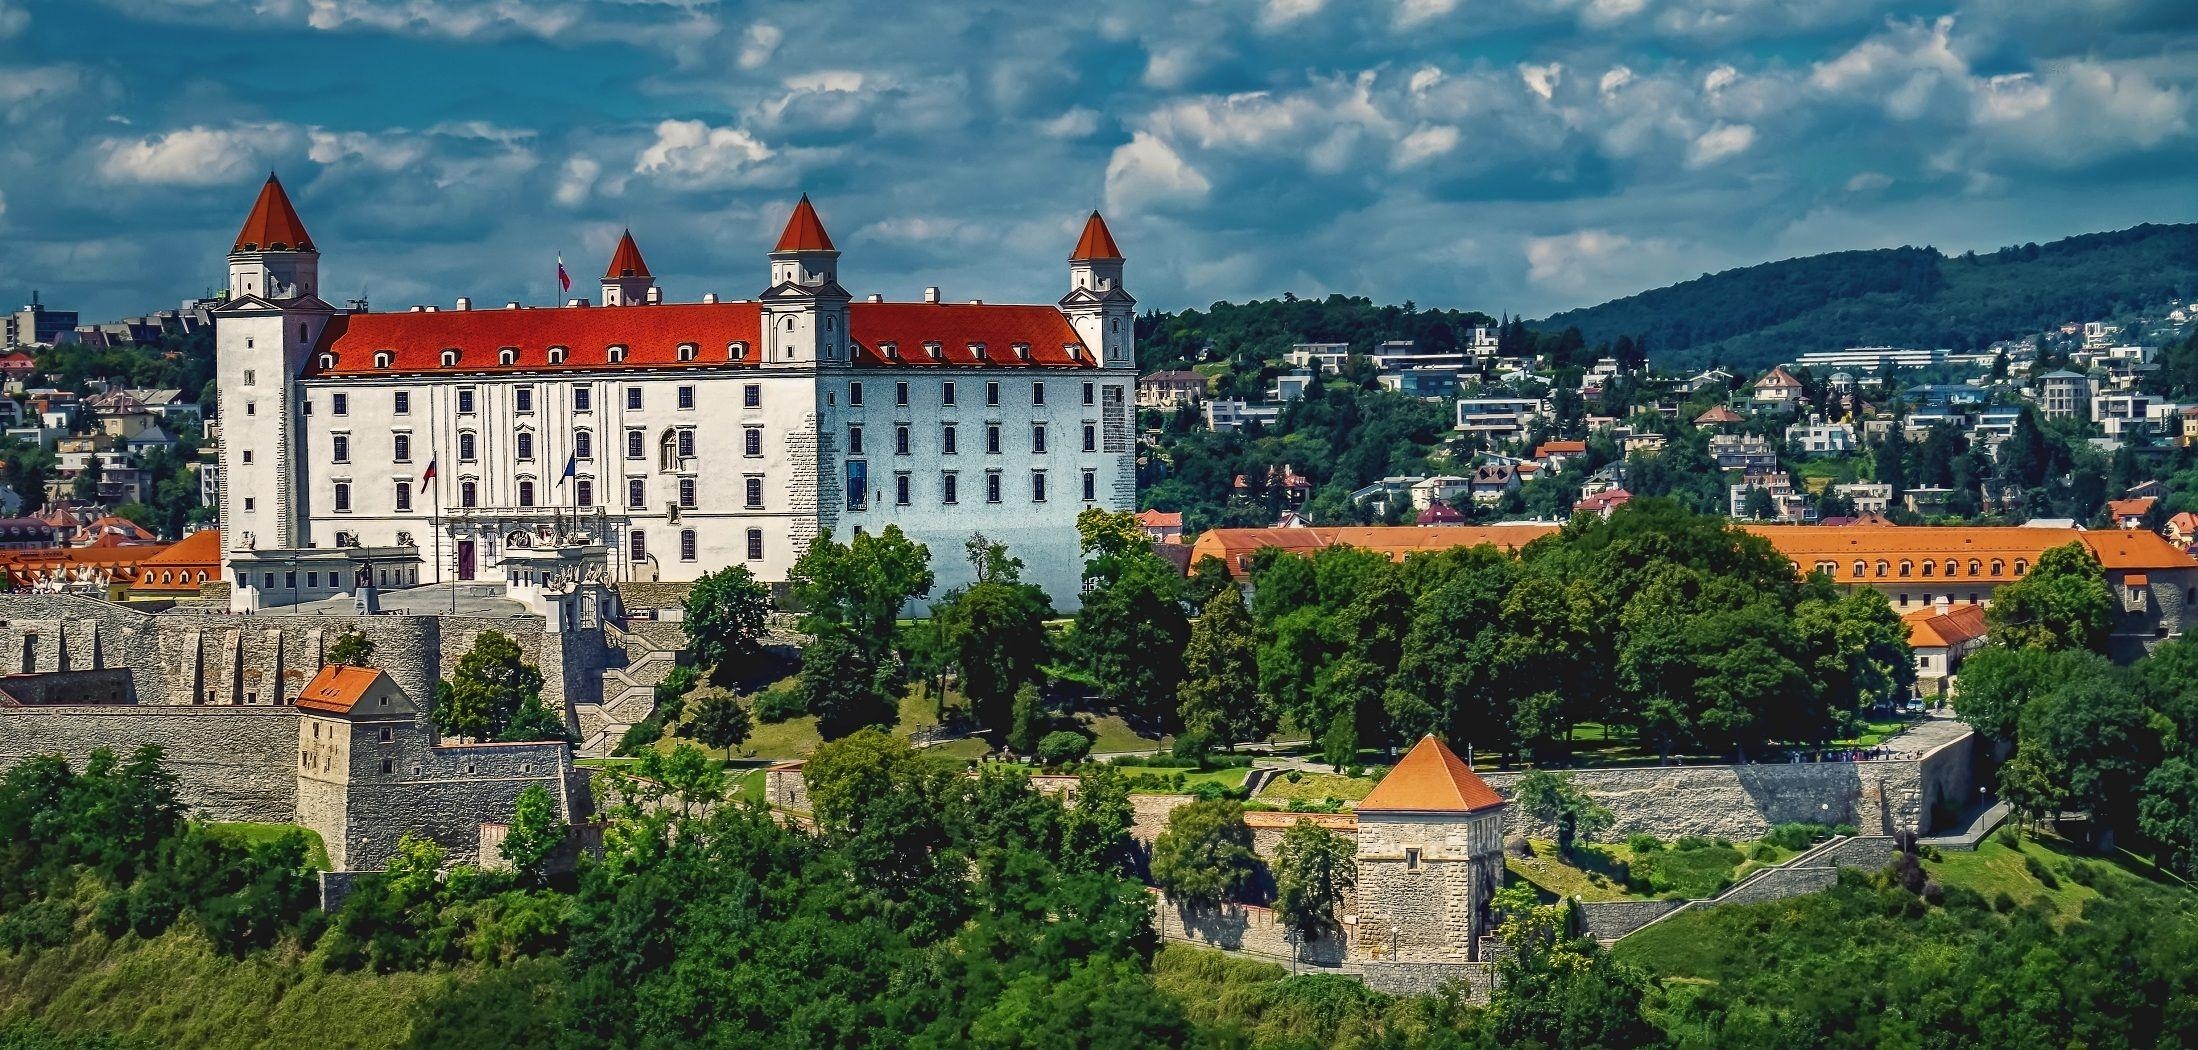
{"points": [[1518, 156]]}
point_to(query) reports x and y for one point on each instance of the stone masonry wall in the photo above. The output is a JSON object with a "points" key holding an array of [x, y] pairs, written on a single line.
{"points": [[1610, 920], [1431, 978], [230, 763], [1245, 928]]}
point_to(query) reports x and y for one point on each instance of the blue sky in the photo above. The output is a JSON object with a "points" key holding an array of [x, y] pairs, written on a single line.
{"points": [[1504, 155]]}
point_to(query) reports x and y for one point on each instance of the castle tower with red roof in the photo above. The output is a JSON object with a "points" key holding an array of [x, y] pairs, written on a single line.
{"points": [[805, 308], [1101, 309], [627, 281], [1430, 857]]}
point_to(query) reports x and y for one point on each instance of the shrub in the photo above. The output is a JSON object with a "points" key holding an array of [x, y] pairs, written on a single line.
{"points": [[1690, 871], [1644, 843], [1691, 842], [1962, 897], [1764, 851], [2003, 902], [1059, 748], [1797, 836], [1293, 776], [38, 924], [778, 703], [2039, 872], [1931, 853], [1848, 830]]}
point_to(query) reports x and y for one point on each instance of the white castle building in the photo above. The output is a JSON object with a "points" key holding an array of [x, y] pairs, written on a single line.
{"points": [[421, 446]]}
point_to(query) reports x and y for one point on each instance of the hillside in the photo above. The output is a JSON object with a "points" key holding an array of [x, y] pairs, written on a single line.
{"points": [[1906, 296]]}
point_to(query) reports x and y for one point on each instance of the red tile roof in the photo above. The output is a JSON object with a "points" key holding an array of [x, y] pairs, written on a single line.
{"points": [[804, 231], [336, 689], [2137, 507], [1430, 778], [1097, 243], [1719, 414], [652, 336], [1560, 448], [1160, 519], [1931, 628], [274, 225], [626, 261], [181, 568]]}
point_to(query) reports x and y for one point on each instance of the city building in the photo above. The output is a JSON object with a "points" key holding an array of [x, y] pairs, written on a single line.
{"points": [[1817, 436], [34, 325], [1171, 390], [2064, 395], [424, 445], [1940, 636]]}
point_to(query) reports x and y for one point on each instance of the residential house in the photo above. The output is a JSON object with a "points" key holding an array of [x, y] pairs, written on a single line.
{"points": [[1291, 386], [1498, 417], [1551, 455], [1226, 414], [1643, 444], [1714, 379], [1491, 481], [1940, 636], [1170, 390], [1161, 526], [1322, 357], [1440, 489], [2130, 513], [2182, 529], [1395, 490], [1787, 504], [2121, 414], [1818, 437], [1869, 497], [1719, 416], [1440, 514], [1743, 452], [1603, 503], [1927, 501], [1778, 386], [2064, 395]]}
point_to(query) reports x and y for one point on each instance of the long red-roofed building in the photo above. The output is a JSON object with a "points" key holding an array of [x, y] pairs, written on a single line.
{"points": [[419, 445]]}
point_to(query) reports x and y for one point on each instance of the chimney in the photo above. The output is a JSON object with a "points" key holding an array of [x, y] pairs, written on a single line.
{"points": [[415, 308], [931, 294], [429, 308], [709, 297], [465, 302], [874, 298], [655, 296], [511, 304]]}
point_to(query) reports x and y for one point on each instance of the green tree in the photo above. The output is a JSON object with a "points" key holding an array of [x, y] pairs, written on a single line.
{"points": [[487, 689], [351, 649], [994, 635], [2167, 813], [1063, 747], [1219, 695], [720, 720], [1131, 630], [1553, 798], [1205, 853], [1314, 867], [535, 721], [1027, 721], [2062, 603], [535, 834], [1095, 831], [2101, 737], [853, 594], [726, 615]]}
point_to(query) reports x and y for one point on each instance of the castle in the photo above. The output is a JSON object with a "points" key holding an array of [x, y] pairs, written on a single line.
{"points": [[394, 449]]}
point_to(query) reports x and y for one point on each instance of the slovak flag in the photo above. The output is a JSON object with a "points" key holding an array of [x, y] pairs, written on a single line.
{"points": [[572, 467], [427, 475], [564, 280]]}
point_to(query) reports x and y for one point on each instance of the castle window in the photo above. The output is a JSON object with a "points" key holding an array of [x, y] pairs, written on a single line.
{"points": [[1972, 566], [992, 486], [343, 496], [400, 403], [637, 493], [751, 395], [900, 489], [618, 355], [522, 399], [635, 443], [686, 545], [1906, 567], [1038, 438], [753, 488], [400, 448], [465, 400], [755, 544], [992, 439], [1927, 566], [1091, 444], [933, 351], [1037, 393], [687, 493], [1412, 858], [384, 359], [946, 393], [583, 398], [1088, 392], [736, 351], [854, 394], [687, 351], [751, 442], [1091, 485], [1882, 568], [450, 359], [583, 492], [992, 394], [637, 545], [633, 399], [468, 445], [1022, 351], [328, 361], [387, 736], [508, 356], [389, 765], [949, 487], [977, 350], [2021, 566], [525, 444], [900, 394], [583, 444], [469, 494], [404, 495], [557, 355], [900, 439], [526, 493], [892, 351], [1037, 486], [854, 441], [339, 448], [1074, 352]]}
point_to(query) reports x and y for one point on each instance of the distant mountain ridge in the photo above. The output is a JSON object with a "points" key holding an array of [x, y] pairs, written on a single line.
{"points": [[1913, 297]]}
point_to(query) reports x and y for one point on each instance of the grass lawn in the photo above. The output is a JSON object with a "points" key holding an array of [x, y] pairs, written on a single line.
{"points": [[1111, 735], [1152, 780], [1593, 875], [316, 852], [1997, 868], [1316, 787], [1597, 870]]}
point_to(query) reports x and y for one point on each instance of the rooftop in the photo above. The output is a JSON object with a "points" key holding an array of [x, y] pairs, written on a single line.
{"points": [[1430, 778]]}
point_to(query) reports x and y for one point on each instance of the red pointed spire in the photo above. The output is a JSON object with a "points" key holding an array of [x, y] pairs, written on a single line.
{"points": [[273, 225], [1096, 243], [626, 261], [804, 231]]}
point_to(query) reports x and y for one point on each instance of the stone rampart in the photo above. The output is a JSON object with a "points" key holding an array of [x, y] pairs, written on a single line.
{"points": [[1246, 928], [231, 763], [1477, 980], [1610, 920], [106, 685], [1777, 884]]}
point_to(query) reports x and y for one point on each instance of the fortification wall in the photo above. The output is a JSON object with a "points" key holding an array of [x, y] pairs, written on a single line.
{"points": [[230, 763], [445, 794], [1744, 802], [1246, 928], [1477, 980]]}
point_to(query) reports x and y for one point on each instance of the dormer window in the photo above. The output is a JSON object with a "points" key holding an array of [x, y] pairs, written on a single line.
{"points": [[1022, 351], [736, 351], [1074, 352], [508, 356], [557, 355], [328, 361], [687, 351], [892, 351], [450, 359], [934, 350], [977, 350], [618, 355], [384, 359]]}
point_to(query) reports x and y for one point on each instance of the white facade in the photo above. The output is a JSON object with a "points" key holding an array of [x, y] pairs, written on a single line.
{"points": [[769, 423]]}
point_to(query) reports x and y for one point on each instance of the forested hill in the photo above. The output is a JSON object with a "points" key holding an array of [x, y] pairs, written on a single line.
{"points": [[1915, 297]]}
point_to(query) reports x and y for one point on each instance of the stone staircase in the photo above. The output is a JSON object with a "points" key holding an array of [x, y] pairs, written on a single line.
{"points": [[629, 692]]}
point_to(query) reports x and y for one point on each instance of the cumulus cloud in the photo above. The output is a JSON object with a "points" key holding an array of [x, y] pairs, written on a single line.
{"points": [[1425, 144], [1145, 173], [1542, 80], [576, 180], [13, 19], [1277, 14], [197, 155], [1868, 182], [1077, 122], [692, 155], [1718, 143], [758, 43]]}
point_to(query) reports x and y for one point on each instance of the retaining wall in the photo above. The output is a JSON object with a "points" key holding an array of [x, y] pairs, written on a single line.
{"points": [[1246, 928], [230, 763], [1477, 980], [1610, 920]]}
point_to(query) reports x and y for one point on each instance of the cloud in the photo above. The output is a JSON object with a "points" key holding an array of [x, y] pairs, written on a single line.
{"points": [[1279, 14], [758, 44], [1076, 123], [1718, 143], [1412, 14], [1868, 182], [197, 155], [1542, 80], [576, 180], [1617, 77], [691, 155], [13, 19], [1425, 144], [1144, 173]]}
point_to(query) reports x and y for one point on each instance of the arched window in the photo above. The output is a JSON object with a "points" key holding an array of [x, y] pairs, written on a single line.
{"points": [[687, 545], [328, 361], [557, 355], [1998, 567], [736, 351], [450, 359], [1906, 567], [1882, 568], [686, 351], [1927, 566], [383, 359], [508, 356], [583, 445], [667, 451], [1861, 568], [2021, 566], [618, 354], [468, 445], [1974, 566], [469, 494], [1074, 352]]}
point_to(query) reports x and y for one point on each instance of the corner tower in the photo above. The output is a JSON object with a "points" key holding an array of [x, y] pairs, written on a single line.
{"points": [[805, 309], [263, 333], [1098, 307], [627, 281]]}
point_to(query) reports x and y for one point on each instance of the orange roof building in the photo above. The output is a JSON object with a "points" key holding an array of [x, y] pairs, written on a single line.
{"points": [[1236, 546], [1430, 778], [182, 568], [273, 225], [1097, 243], [338, 690], [804, 231]]}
